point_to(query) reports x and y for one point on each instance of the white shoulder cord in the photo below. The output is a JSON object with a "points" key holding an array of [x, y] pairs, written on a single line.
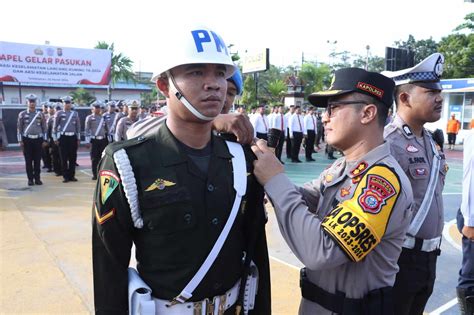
{"points": [[426, 203], [129, 185]]}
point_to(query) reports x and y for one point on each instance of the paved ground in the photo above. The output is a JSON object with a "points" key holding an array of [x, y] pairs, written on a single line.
{"points": [[45, 255]]}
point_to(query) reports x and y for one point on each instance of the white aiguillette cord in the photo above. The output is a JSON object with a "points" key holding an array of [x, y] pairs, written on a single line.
{"points": [[240, 185]]}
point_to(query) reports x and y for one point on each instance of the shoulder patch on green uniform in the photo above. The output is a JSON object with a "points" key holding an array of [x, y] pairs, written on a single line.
{"points": [[358, 224]]}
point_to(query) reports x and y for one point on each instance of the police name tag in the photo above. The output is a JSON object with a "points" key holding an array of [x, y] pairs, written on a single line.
{"points": [[358, 224]]}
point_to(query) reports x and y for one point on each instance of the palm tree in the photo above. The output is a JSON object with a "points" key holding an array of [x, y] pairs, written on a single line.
{"points": [[121, 67], [82, 97]]}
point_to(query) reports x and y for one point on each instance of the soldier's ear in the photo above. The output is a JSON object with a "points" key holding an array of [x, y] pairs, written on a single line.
{"points": [[163, 85], [368, 113]]}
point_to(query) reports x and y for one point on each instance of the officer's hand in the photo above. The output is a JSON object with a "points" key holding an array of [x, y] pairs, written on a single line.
{"points": [[267, 165], [238, 124], [468, 231], [22, 144], [56, 142]]}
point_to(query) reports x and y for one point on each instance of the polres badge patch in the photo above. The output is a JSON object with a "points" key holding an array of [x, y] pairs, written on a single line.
{"points": [[109, 181], [375, 194]]}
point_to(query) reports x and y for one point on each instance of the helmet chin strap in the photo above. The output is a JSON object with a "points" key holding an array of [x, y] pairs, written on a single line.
{"points": [[179, 95]]}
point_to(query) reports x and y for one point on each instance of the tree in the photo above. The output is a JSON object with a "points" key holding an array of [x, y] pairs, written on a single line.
{"points": [[121, 66], [248, 96], [422, 48], [469, 24], [376, 63], [458, 51], [276, 90], [82, 97], [315, 76], [148, 98]]}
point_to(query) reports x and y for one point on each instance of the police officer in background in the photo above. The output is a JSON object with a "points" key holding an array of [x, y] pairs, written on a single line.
{"points": [[67, 135], [109, 118], [143, 112], [96, 132], [279, 121], [122, 112], [309, 134], [295, 125], [418, 99], [31, 133], [125, 122], [288, 115], [186, 198], [46, 150], [54, 149], [260, 122], [348, 226]]}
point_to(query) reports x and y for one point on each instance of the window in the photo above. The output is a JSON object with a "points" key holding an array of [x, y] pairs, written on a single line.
{"points": [[468, 113]]}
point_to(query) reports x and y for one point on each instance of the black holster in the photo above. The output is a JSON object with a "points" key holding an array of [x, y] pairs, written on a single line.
{"points": [[375, 302]]}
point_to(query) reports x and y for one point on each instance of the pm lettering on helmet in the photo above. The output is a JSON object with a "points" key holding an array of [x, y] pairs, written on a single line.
{"points": [[203, 36]]}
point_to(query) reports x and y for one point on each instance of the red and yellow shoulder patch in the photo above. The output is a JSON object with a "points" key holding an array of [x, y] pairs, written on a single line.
{"points": [[358, 224]]}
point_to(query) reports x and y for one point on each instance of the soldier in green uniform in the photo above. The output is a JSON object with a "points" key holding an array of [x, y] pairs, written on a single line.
{"points": [[186, 198]]}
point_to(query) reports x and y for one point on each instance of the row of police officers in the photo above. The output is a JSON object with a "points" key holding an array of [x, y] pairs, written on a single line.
{"points": [[54, 134]]}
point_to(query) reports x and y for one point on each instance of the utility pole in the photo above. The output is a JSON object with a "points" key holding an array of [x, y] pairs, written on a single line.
{"points": [[367, 58]]}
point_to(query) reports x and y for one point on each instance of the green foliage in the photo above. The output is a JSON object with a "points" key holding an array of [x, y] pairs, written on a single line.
{"points": [[121, 68], [82, 97], [315, 77], [147, 98], [422, 48], [276, 89], [469, 24], [376, 63], [248, 96], [458, 51]]}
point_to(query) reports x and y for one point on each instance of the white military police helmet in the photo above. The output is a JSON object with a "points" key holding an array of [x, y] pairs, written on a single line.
{"points": [[192, 45]]}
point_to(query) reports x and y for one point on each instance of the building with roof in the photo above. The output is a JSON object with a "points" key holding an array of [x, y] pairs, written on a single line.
{"points": [[458, 97]]}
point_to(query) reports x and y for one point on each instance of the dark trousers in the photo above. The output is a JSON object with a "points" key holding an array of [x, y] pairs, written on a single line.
{"points": [[296, 145], [310, 144], [414, 281], [55, 158], [466, 274], [32, 153], [288, 144], [451, 138], [46, 156], [68, 154], [263, 136], [279, 148], [97, 146]]}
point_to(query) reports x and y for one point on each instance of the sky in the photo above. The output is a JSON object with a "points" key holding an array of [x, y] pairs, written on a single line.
{"points": [[288, 28]]}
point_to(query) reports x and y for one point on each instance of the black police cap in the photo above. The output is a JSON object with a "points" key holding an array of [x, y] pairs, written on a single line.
{"points": [[350, 80]]}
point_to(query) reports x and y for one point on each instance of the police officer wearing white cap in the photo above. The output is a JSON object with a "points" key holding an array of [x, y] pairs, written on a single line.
{"points": [[125, 122], [186, 198], [347, 226], [418, 99], [31, 134], [96, 132], [109, 118], [67, 135]]}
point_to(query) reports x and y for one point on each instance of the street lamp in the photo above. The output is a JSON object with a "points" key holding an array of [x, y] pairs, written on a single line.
{"points": [[367, 58]]}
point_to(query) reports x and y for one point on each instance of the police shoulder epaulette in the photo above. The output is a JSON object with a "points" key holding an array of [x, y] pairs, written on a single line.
{"points": [[115, 146], [389, 129]]}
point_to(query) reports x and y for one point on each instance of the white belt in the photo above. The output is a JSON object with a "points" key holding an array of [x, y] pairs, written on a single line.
{"points": [[68, 133], [427, 245], [216, 305], [32, 136], [98, 138]]}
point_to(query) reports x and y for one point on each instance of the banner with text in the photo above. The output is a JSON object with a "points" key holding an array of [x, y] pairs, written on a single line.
{"points": [[27, 63]]}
